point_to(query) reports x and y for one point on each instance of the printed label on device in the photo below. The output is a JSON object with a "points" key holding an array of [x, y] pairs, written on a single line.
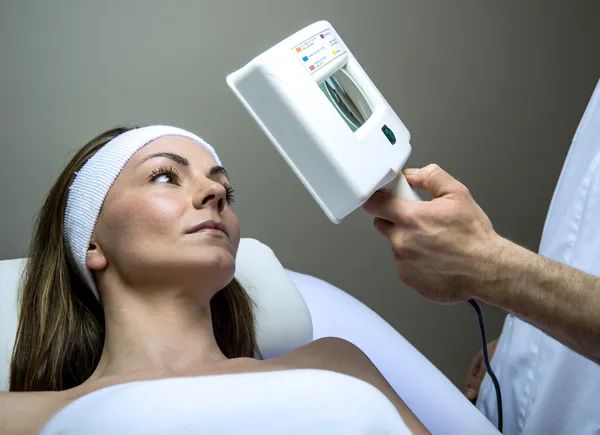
{"points": [[319, 50]]}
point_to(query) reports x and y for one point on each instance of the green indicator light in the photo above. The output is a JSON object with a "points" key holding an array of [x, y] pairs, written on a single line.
{"points": [[389, 134]]}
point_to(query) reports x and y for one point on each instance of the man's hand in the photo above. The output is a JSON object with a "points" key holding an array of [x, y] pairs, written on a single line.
{"points": [[447, 250], [443, 248], [477, 372]]}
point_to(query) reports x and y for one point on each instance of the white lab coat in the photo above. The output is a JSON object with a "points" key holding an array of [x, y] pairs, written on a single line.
{"points": [[547, 388]]}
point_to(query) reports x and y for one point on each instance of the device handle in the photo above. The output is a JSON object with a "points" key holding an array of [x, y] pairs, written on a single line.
{"points": [[399, 187]]}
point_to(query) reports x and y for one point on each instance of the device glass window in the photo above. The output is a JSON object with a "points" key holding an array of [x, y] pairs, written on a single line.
{"points": [[347, 98]]}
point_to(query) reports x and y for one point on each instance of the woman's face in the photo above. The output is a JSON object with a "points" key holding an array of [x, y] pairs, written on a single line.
{"points": [[167, 220]]}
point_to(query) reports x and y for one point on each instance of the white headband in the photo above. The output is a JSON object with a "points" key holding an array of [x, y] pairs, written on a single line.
{"points": [[94, 180]]}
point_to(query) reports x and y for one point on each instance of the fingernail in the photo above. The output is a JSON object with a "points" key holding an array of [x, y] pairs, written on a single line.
{"points": [[411, 171]]}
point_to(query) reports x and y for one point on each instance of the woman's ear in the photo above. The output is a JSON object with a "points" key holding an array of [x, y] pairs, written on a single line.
{"points": [[95, 259]]}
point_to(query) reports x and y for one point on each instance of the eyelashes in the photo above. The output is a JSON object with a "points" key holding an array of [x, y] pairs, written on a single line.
{"points": [[165, 171], [173, 177], [229, 195]]}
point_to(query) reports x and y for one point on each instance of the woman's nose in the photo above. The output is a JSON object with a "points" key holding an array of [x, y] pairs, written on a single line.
{"points": [[211, 196]]}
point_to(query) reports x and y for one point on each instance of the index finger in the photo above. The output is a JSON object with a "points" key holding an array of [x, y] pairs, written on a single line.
{"points": [[389, 207], [435, 180]]}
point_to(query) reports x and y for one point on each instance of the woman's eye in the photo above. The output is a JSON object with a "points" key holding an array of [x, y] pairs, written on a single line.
{"points": [[165, 175], [163, 179]]}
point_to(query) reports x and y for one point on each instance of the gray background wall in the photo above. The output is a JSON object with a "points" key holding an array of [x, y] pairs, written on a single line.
{"points": [[491, 90]]}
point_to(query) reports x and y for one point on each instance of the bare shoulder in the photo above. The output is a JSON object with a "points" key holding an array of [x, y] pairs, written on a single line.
{"points": [[333, 354], [342, 356], [27, 413]]}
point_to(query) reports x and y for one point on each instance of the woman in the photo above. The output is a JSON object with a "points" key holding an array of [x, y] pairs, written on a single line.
{"points": [[131, 278]]}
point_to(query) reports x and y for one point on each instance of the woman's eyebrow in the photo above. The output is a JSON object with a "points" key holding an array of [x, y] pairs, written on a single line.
{"points": [[217, 170], [175, 157]]}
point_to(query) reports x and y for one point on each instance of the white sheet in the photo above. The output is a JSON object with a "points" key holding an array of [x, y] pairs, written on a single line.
{"points": [[441, 407], [298, 402]]}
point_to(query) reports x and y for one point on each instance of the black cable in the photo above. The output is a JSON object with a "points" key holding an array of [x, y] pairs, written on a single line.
{"points": [[486, 360]]}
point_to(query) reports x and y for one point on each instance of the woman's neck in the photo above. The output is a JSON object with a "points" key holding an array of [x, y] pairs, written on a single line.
{"points": [[168, 331]]}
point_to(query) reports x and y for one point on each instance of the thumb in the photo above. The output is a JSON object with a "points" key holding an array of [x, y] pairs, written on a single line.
{"points": [[433, 179]]}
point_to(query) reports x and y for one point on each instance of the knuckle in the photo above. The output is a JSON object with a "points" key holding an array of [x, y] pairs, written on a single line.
{"points": [[433, 168], [462, 190]]}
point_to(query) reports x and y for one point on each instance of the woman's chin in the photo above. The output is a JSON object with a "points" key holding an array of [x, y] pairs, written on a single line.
{"points": [[215, 261]]}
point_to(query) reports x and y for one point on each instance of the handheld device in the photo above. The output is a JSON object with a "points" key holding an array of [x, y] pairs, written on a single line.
{"points": [[327, 119]]}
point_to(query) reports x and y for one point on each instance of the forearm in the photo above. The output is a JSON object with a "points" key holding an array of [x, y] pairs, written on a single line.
{"points": [[559, 300]]}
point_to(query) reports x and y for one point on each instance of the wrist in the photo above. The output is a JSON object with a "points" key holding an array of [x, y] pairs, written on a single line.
{"points": [[496, 264]]}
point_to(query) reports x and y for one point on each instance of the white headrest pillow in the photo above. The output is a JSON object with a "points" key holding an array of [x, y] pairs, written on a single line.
{"points": [[282, 317]]}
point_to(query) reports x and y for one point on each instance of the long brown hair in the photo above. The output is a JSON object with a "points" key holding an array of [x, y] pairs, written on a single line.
{"points": [[61, 324]]}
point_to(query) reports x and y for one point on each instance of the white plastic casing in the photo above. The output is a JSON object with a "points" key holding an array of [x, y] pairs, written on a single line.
{"points": [[340, 168]]}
